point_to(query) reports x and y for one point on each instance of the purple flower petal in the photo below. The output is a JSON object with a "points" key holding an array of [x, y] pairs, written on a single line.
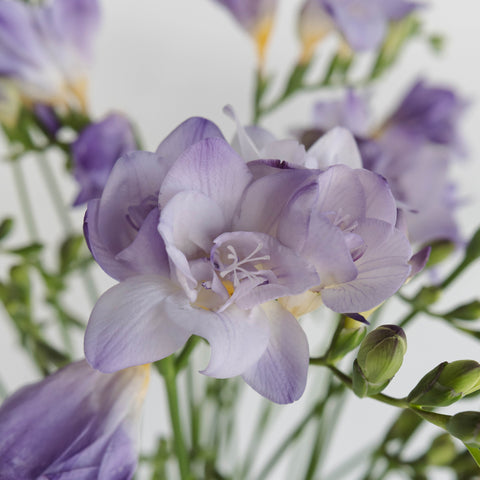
{"points": [[382, 270], [188, 224], [265, 198], [336, 146], [210, 167], [146, 254], [114, 221], [96, 150], [77, 423], [185, 135], [281, 373], [237, 339], [134, 323]]}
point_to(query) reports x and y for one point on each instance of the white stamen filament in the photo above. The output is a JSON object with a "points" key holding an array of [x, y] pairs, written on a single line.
{"points": [[236, 265]]}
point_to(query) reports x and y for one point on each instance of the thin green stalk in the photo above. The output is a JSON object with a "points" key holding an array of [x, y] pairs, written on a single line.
{"points": [[348, 464], [24, 199], [320, 438], [256, 438], [408, 318], [59, 205], [166, 367], [316, 410]]}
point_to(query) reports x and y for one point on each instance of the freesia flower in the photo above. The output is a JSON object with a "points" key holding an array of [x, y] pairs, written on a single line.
{"points": [[314, 24], [206, 244], [412, 149], [256, 17], [96, 150], [46, 48], [77, 423], [364, 23], [430, 114]]}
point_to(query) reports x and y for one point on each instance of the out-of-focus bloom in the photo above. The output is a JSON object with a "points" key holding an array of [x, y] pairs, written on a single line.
{"points": [[46, 49], [314, 24], [412, 150], [9, 103], [256, 17], [429, 114], [96, 150], [77, 423], [204, 243], [364, 23]]}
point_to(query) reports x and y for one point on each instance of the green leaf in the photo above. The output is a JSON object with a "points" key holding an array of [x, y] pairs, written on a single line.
{"points": [[474, 452]]}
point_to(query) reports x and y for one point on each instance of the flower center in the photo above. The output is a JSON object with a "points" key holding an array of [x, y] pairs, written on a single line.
{"points": [[238, 269]]}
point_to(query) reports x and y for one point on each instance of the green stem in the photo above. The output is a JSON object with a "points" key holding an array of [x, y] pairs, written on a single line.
{"points": [[316, 410], [408, 318], [25, 204], [166, 367], [256, 438], [66, 222]]}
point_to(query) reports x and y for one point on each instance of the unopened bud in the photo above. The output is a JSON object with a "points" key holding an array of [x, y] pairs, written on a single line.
{"points": [[426, 297], [379, 359], [446, 383], [466, 427], [469, 311], [441, 250]]}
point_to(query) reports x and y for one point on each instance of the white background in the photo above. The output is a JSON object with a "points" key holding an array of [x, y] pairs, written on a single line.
{"points": [[161, 61]]}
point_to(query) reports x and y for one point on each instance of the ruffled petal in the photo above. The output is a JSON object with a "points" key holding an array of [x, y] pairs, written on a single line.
{"points": [[134, 323], [146, 254], [265, 198], [382, 270], [210, 167], [134, 181], [379, 200], [281, 373], [237, 339]]}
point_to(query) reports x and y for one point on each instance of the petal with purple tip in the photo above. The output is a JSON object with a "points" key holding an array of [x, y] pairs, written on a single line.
{"points": [[212, 168], [184, 136], [382, 270]]}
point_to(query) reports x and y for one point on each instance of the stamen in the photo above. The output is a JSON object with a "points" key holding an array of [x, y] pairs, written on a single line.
{"points": [[236, 266]]}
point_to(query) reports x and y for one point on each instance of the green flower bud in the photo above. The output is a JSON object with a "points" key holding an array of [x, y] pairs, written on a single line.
{"points": [[440, 251], [469, 311], [446, 383], [379, 359], [348, 336], [466, 427], [427, 296]]}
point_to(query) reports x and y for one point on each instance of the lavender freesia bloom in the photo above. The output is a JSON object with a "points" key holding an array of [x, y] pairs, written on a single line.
{"points": [[96, 150], [205, 244], [77, 423], [46, 49], [429, 113], [364, 23], [256, 17]]}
